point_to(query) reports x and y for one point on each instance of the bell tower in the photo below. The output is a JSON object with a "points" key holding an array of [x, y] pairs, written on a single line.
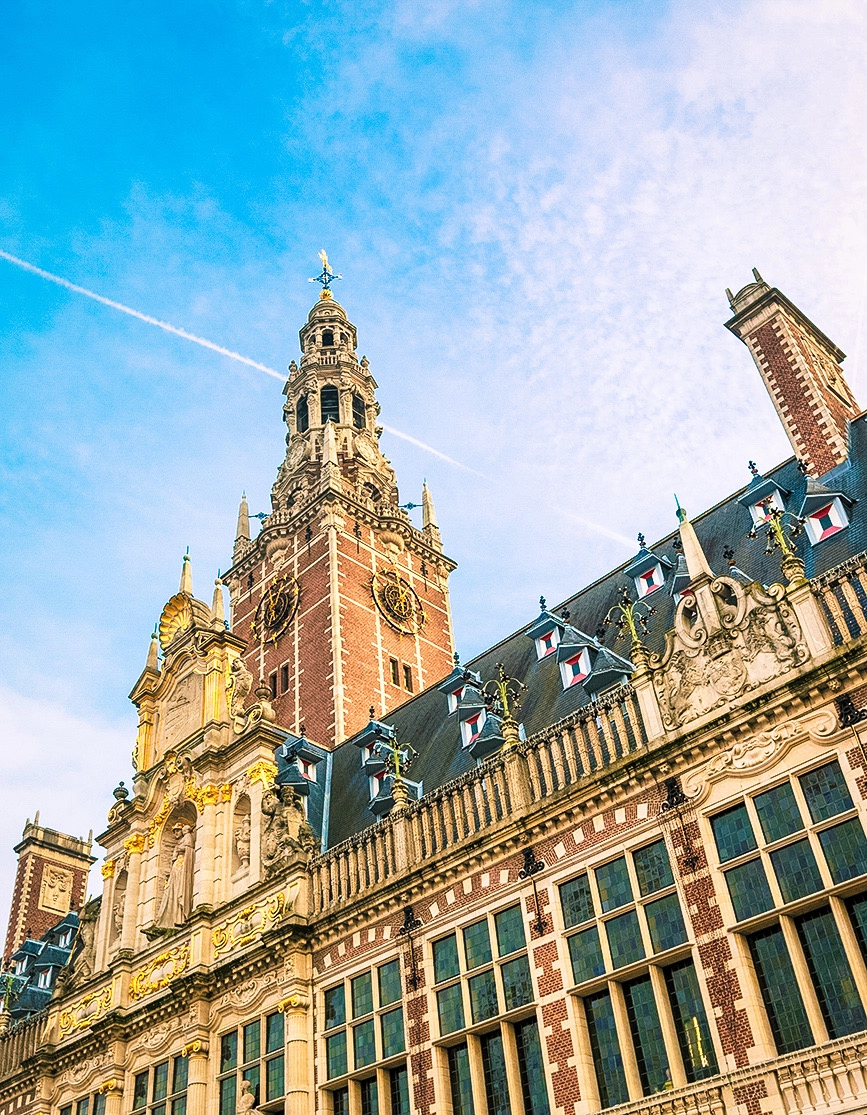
{"points": [[343, 603]]}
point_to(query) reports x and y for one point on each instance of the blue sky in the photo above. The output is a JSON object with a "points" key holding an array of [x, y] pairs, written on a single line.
{"points": [[536, 209]]}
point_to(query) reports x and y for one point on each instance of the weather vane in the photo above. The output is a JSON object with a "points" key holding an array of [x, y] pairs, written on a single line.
{"points": [[326, 277]]}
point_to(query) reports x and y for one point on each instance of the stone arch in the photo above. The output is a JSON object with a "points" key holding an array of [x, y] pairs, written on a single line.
{"points": [[241, 830]]}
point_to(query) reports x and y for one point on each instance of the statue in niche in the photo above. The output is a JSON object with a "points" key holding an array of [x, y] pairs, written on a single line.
{"points": [[79, 967], [117, 912], [246, 1100], [240, 684], [178, 894], [287, 836], [242, 841]]}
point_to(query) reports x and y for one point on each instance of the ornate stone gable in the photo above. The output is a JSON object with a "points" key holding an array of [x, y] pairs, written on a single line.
{"points": [[728, 639]]}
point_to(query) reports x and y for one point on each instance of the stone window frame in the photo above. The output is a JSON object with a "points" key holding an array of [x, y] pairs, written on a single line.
{"points": [[504, 1021], [345, 1088], [612, 980], [242, 1066], [174, 1101], [786, 915]]}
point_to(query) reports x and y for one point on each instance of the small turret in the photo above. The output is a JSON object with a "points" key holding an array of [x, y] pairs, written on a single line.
{"points": [[153, 662], [218, 608], [243, 528], [186, 576], [429, 520]]}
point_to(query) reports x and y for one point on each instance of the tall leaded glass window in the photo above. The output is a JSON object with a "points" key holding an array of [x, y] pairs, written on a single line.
{"points": [[329, 404], [779, 988], [531, 1067], [838, 996], [302, 415]]}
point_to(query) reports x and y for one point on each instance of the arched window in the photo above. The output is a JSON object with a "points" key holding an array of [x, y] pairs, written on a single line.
{"points": [[302, 415], [327, 339], [358, 415], [329, 402]]}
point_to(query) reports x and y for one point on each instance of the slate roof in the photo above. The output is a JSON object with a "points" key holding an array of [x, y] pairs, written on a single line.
{"points": [[424, 722]]}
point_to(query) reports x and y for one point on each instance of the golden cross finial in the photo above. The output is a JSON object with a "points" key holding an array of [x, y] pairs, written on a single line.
{"points": [[326, 276]]}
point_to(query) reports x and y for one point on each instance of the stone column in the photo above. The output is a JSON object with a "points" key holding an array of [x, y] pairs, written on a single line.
{"points": [[809, 612], [295, 1013], [196, 1053], [205, 848], [135, 848], [642, 683], [113, 1092], [403, 854]]}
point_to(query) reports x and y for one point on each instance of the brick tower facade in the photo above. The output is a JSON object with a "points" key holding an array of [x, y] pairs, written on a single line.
{"points": [[50, 881], [800, 367], [342, 601]]}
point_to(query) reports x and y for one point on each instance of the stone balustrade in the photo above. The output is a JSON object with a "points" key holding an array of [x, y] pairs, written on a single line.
{"points": [[842, 593]]}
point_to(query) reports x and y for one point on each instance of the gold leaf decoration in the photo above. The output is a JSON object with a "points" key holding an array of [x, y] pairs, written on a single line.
{"points": [[177, 617], [249, 923], [159, 972], [85, 1012]]}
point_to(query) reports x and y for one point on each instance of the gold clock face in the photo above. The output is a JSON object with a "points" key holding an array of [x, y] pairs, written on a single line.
{"points": [[398, 602], [277, 608]]}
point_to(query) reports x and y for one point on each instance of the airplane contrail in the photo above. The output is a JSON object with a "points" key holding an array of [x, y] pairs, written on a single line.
{"points": [[58, 280]]}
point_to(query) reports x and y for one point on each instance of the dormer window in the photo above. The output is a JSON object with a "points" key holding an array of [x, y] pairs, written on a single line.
{"points": [[20, 967], [547, 642], [650, 580], [65, 939], [327, 339], [302, 415], [329, 404], [759, 511], [358, 412], [454, 697], [471, 727], [307, 769], [827, 520], [576, 668], [44, 978]]}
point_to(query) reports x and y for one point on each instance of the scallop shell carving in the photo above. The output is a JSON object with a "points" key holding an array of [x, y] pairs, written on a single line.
{"points": [[177, 617]]}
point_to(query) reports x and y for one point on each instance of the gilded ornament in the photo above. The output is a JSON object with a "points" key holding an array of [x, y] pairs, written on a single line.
{"points": [[398, 601], [249, 923], [198, 1045], [135, 844], [85, 1012], [157, 821], [159, 972], [111, 1085], [263, 771], [276, 609], [292, 1003], [177, 617], [108, 869]]}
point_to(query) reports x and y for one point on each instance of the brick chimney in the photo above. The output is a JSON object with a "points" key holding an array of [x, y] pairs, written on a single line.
{"points": [[800, 367], [50, 881]]}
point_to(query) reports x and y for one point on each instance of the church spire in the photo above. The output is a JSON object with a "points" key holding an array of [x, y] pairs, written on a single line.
{"points": [[186, 576], [427, 503], [243, 528]]}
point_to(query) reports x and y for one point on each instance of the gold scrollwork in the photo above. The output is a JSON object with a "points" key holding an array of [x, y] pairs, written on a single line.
{"points": [[197, 1046], [208, 794], [108, 869], [111, 1085], [85, 1012], [263, 771], [293, 1003], [159, 972], [157, 821], [249, 923], [135, 844]]}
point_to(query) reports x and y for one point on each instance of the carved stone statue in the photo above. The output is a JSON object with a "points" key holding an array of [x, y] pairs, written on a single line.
{"points": [[79, 967], [246, 1100], [242, 841], [239, 686], [117, 912], [178, 894], [287, 836]]}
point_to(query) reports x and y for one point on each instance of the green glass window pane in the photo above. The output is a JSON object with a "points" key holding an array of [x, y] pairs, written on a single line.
{"points": [[517, 985], [838, 996], [749, 890], [99, 1104], [450, 1006], [252, 1044], [690, 1021], [68, 1110], [140, 1091], [665, 922], [605, 1047], [779, 991], [483, 997], [509, 925], [159, 1109], [228, 1095], [733, 833], [274, 1078], [459, 1081], [369, 1097], [531, 1068], [445, 957], [335, 1054], [388, 977], [398, 1081], [364, 1044], [273, 1032], [586, 955], [858, 913], [362, 995], [477, 944], [612, 879], [826, 791], [82, 1106], [624, 939], [179, 1106], [228, 1051], [576, 901], [845, 850], [494, 1071], [335, 1006], [179, 1074], [796, 870], [652, 867], [392, 1032], [647, 1036], [778, 812], [340, 1102], [161, 1081], [251, 1075]]}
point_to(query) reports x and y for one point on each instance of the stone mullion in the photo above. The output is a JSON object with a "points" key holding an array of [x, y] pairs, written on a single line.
{"points": [[804, 980]]}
